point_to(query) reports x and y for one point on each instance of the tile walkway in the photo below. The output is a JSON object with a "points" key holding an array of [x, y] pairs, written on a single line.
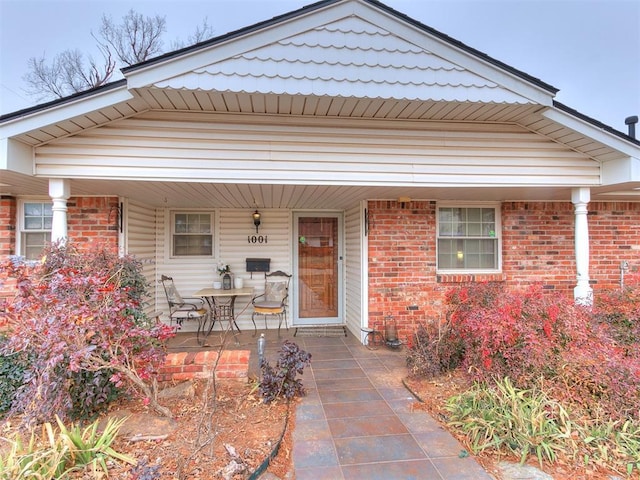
{"points": [[356, 421]]}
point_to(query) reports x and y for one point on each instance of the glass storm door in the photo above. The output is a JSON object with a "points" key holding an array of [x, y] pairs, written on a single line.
{"points": [[318, 258]]}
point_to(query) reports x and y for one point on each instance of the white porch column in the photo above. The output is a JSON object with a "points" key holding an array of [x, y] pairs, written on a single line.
{"points": [[582, 293], [59, 191]]}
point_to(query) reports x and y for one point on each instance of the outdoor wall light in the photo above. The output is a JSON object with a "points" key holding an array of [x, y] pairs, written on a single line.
{"points": [[256, 219]]}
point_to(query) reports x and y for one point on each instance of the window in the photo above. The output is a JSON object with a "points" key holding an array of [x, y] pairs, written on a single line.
{"points": [[191, 234], [468, 238], [35, 228]]}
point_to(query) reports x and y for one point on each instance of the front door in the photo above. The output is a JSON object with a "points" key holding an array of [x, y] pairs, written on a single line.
{"points": [[318, 258]]}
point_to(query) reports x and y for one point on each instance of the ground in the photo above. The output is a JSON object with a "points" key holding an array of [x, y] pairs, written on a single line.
{"points": [[194, 447], [433, 395]]}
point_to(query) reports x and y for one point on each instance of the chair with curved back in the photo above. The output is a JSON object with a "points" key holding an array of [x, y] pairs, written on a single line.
{"points": [[273, 302], [184, 308]]}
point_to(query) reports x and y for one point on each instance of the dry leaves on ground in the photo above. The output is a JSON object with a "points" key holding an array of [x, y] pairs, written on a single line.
{"points": [[205, 439]]}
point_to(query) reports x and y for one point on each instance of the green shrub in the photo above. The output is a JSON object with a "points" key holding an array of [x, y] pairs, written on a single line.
{"points": [[57, 454], [12, 377], [511, 420], [528, 422]]}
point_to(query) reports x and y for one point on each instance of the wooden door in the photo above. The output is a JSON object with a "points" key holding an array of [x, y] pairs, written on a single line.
{"points": [[318, 264]]}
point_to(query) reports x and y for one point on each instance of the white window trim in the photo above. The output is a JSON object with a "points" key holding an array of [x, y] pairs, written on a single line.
{"points": [[20, 227], [170, 226], [479, 271]]}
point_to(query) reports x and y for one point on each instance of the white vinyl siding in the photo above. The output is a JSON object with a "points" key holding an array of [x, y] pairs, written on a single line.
{"points": [[268, 149], [140, 242], [233, 229], [353, 269]]}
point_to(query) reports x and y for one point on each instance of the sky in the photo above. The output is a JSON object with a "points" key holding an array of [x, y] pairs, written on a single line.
{"points": [[589, 49]]}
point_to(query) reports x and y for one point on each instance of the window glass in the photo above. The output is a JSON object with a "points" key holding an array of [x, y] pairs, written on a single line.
{"points": [[192, 234], [467, 238], [36, 228]]}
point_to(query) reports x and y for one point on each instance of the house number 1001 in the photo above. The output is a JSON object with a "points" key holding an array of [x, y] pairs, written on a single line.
{"points": [[257, 239]]}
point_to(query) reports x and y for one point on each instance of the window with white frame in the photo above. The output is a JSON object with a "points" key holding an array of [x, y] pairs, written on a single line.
{"points": [[191, 234], [468, 238], [35, 227]]}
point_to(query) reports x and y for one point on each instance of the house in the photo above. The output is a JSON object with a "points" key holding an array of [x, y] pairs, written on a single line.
{"points": [[388, 162]]}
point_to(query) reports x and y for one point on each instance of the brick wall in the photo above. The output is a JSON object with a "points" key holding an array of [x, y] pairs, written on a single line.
{"points": [[537, 247], [90, 221], [233, 365], [8, 206], [93, 220]]}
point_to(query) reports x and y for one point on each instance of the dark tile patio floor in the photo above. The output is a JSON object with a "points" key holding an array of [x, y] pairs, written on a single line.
{"points": [[356, 421]]}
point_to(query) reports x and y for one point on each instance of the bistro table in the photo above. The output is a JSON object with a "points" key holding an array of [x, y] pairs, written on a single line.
{"points": [[222, 304]]}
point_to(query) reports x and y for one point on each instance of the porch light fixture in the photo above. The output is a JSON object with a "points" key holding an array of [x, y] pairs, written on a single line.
{"points": [[256, 219]]}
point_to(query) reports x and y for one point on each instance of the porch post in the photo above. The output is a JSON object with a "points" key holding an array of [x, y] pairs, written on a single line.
{"points": [[582, 293], [59, 191]]}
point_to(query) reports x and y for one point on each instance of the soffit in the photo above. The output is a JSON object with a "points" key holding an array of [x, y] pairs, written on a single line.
{"points": [[228, 195]]}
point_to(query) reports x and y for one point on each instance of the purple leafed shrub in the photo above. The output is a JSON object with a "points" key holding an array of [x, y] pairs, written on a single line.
{"points": [[79, 317]]}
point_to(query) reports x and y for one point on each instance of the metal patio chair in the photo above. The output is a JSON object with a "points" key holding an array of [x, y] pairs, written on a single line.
{"points": [[184, 308], [273, 302]]}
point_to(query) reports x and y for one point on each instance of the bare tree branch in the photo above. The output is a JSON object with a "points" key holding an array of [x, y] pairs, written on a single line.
{"points": [[136, 39], [203, 32]]}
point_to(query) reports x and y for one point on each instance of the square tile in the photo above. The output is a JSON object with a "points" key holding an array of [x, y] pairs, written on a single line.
{"points": [[405, 470], [334, 364], [343, 384], [454, 468], [306, 412], [382, 448], [311, 430], [363, 426], [420, 422], [319, 473], [340, 373], [359, 395], [314, 453], [372, 408], [439, 443]]}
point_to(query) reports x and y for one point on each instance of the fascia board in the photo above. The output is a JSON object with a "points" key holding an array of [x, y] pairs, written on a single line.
{"points": [[16, 156], [585, 128], [82, 106], [620, 171]]}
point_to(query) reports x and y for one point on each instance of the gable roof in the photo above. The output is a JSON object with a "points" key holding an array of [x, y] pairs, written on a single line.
{"points": [[349, 49], [356, 58], [325, 3]]}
